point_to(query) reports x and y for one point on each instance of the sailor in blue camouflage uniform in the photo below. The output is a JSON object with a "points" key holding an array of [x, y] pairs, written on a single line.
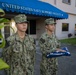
{"points": [[49, 43], [20, 49]]}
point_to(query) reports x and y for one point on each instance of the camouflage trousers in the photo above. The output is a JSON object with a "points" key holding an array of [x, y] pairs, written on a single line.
{"points": [[19, 72], [48, 69]]}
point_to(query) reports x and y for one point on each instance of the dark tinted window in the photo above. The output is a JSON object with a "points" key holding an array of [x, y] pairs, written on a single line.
{"points": [[65, 27]]}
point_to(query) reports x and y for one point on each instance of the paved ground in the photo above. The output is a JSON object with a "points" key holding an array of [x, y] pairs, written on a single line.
{"points": [[67, 64]]}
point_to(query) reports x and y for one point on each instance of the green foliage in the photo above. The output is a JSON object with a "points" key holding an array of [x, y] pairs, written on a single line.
{"points": [[2, 25], [3, 20], [3, 65], [3, 41], [71, 41], [2, 13]]}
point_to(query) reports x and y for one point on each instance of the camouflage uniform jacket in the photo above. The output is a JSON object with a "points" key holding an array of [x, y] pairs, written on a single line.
{"points": [[20, 55], [48, 44]]}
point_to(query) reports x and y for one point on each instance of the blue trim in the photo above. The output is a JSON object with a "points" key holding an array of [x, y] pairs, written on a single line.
{"points": [[33, 7]]}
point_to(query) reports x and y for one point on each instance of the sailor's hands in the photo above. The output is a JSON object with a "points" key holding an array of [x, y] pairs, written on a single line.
{"points": [[60, 50]]}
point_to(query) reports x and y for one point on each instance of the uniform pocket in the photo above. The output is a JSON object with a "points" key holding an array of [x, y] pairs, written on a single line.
{"points": [[17, 48], [30, 46]]}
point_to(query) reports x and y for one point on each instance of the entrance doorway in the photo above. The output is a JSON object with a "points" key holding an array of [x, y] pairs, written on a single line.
{"points": [[6, 31], [31, 27]]}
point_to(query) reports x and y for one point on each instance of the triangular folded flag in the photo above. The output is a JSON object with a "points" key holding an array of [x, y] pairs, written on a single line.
{"points": [[58, 54]]}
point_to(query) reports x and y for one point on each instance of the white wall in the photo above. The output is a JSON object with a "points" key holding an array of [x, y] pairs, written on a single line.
{"points": [[48, 1], [72, 21], [67, 8], [40, 27]]}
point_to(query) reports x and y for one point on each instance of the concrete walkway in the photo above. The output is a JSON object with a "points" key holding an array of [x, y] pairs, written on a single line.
{"points": [[67, 64]]}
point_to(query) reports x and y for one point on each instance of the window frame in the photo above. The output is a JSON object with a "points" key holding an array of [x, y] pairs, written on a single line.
{"points": [[67, 2], [55, 2], [75, 3], [67, 29], [75, 27], [7, 30]]}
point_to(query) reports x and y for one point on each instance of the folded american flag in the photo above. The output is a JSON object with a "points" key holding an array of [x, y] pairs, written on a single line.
{"points": [[58, 54]]}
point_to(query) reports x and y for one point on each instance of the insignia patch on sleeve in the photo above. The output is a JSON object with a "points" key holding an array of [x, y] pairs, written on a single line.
{"points": [[42, 40]]}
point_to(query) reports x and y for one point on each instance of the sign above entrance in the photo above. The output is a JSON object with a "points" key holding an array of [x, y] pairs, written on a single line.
{"points": [[33, 7]]}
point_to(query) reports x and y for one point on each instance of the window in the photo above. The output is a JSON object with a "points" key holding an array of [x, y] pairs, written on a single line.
{"points": [[55, 2], [65, 27], [7, 31], [75, 3], [32, 27], [67, 1], [75, 27]]}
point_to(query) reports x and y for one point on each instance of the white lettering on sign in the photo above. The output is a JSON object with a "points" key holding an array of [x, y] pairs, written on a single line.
{"points": [[17, 7]]}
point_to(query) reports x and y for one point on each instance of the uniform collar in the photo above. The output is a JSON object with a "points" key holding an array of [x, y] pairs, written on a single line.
{"points": [[17, 38], [49, 36]]}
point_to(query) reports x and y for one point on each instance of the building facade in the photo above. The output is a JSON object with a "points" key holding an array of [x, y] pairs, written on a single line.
{"points": [[36, 20], [66, 26]]}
